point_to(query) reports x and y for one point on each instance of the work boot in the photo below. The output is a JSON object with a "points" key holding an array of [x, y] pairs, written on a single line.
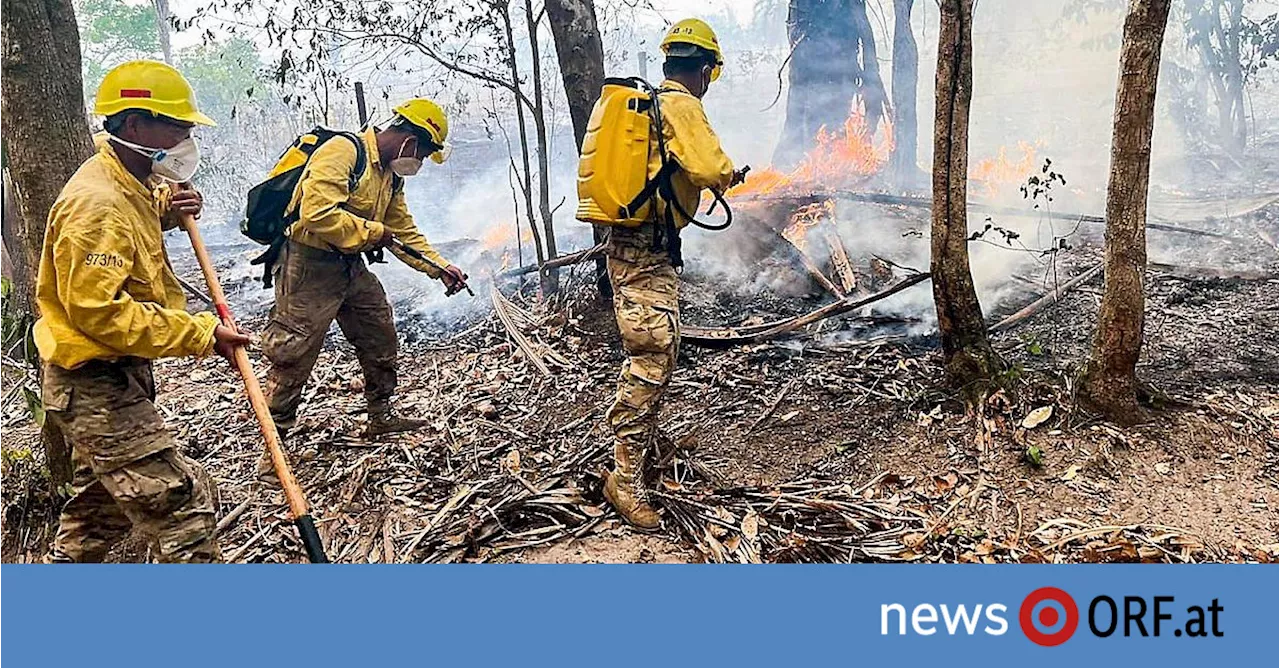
{"points": [[624, 488], [387, 422]]}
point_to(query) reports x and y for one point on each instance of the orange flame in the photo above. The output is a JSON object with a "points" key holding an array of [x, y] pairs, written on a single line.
{"points": [[500, 236], [804, 219], [991, 174], [838, 159]]}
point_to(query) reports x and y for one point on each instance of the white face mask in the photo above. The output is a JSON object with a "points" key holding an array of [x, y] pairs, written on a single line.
{"points": [[404, 165], [177, 164]]}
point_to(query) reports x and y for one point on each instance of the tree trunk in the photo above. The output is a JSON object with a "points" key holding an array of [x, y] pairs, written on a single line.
{"points": [[870, 86], [162, 28], [8, 215], [833, 60], [1215, 27], [551, 276], [581, 57], [1235, 76], [822, 73], [970, 362], [46, 137], [906, 75], [526, 179], [1111, 384]]}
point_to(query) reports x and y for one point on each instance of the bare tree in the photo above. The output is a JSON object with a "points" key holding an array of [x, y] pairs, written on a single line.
{"points": [[525, 177], [162, 29], [970, 361], [906, 75], [475, 39], [581, 57], [550, 276], [46, 137], [1111, 384], [1214, 30], [871, 91]]}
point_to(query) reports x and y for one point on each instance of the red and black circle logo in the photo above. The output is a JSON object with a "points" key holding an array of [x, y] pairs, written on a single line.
{"points": [[1048, 616]]}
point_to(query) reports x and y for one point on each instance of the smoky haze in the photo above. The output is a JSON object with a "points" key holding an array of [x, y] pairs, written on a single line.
{"points": [[1044, 87]]}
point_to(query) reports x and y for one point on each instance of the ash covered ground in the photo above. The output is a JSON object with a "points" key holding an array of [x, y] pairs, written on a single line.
{"points": [[833, 444]]}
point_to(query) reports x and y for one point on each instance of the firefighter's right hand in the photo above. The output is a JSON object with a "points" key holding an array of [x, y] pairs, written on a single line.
{"points": [[739, 176], [226, 340], [455, 280]]}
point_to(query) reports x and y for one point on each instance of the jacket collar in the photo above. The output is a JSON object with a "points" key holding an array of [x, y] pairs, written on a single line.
{"points": [[128, 182], [370, 137], [672, 84]]}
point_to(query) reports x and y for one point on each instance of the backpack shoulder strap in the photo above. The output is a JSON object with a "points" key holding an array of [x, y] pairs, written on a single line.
{"points": [[362, 157]]}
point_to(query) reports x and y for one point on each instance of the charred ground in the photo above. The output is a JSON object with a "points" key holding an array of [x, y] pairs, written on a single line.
{"points": [[780, 451]]}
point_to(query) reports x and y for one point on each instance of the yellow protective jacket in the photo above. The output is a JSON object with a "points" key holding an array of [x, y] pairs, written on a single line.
{"points": [[105, 288], [691, 141], [333, 217]]}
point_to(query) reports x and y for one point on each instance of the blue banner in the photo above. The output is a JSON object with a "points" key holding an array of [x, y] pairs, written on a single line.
{"points": [[613, 616]]}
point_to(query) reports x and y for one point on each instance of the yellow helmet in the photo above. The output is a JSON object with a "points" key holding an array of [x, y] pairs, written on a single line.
{"points": [[693, 32], [149, 85], [429, 117]]}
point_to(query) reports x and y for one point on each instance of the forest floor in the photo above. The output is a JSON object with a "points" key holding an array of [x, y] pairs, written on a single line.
{"points": [[777, 451]]}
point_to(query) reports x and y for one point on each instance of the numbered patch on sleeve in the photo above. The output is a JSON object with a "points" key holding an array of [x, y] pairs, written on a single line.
{"points": [[103, 260]]}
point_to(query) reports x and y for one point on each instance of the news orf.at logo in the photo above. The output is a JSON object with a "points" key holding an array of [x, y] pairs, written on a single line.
{"points": [[1048, 616]]}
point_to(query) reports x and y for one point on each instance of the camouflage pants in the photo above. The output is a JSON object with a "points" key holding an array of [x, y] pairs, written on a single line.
{"points": [[646, 304], [314, 287], [127, 470]]}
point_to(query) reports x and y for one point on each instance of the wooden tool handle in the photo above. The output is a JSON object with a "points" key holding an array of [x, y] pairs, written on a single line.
{"points": [[292, 491]]}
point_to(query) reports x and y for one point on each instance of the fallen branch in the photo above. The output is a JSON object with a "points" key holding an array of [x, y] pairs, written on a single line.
{"points": [[727, 336], [816, 272], [562, 261], [1209, 272], [772, 407], [1051, 298], [840, 261], [925, 202], [226, 522], [502, 307]]}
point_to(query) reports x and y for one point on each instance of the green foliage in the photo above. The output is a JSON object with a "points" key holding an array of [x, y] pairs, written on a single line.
{"points": [[34, 405], [1010, 377], [1034, 456], [15, 326], [112, 32], [224, 74], [1032, 344]]}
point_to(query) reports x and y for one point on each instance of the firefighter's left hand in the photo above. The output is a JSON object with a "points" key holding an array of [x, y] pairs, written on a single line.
{"points": [[455, 280], [739, 176], [187, 200]]}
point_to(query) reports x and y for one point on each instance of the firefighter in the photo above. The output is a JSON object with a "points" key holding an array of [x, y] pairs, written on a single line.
{"points": [[109, 304], [643, 261], [321, 275]]}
